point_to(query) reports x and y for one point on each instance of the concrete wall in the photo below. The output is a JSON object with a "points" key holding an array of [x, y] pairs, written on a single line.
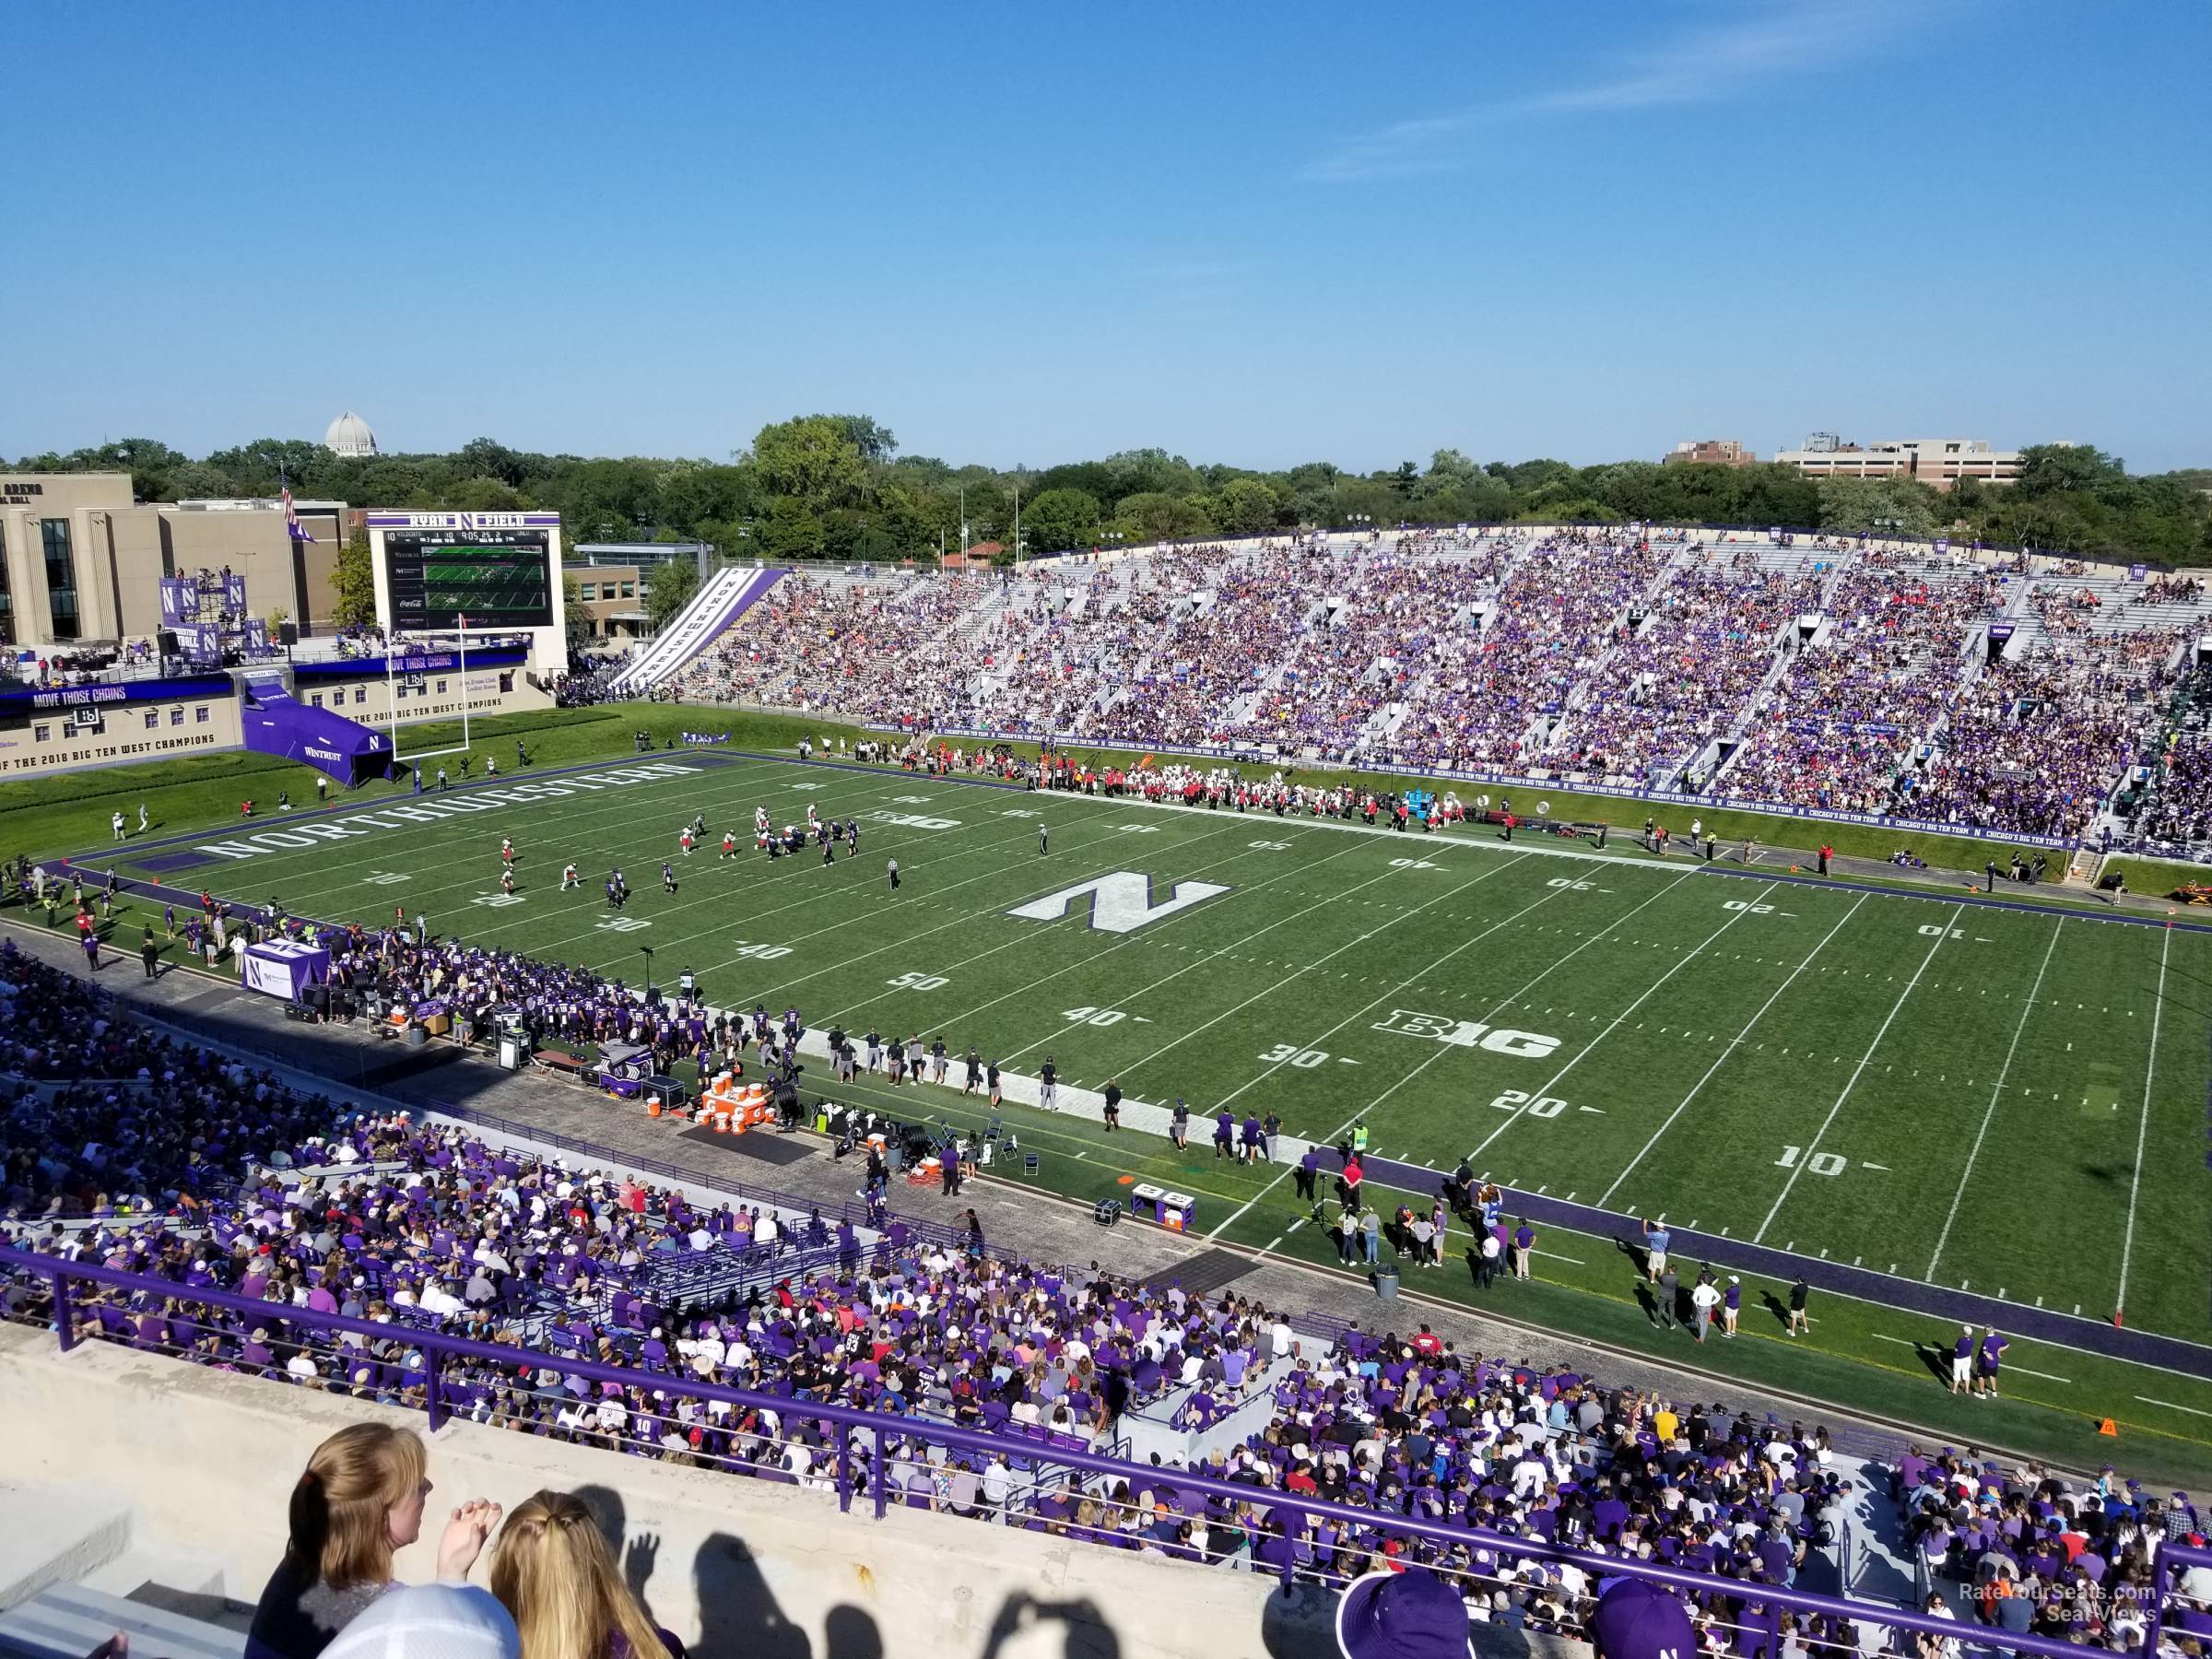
{"points": [[367, 698], [190, 726], [740, 1569]]}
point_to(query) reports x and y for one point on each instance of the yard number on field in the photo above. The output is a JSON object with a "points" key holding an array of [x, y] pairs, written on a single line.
{"points": [[1747, 906], [918, 981], [1411, 864], [1820, 1163], [1570, 884], [1543, 1106], [1935, 930], [1265, 846], [766, 953], [623, 924], [1292, 1054], [1089, 1016], [383, 878], [497, 900]]}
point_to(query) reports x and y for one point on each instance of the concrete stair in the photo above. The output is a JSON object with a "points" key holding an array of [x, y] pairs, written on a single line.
{"points": [[48, 1535], [67, 1621], [75, 1570]]}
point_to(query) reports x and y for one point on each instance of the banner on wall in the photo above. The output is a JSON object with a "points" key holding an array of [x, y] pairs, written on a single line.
{"points": [[257, 634], [234, 592], [180, 600], [200, 643]]}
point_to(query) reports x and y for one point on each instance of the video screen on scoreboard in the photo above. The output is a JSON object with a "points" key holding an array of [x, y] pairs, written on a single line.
{"points": [[494, 578]]}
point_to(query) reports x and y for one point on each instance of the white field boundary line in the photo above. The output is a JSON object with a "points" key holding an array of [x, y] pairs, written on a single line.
{"points": [[1996, 1094], [1734, 1043], [1587, 1049], [1858, 1071], [432, 839], [2170, 1405], [964, 920], [1441, 1049], [810, 867], [1135, 939], [2134, 1185]]}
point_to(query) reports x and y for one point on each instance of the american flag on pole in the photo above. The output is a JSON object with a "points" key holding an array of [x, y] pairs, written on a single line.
{"points": [[292, 526]]}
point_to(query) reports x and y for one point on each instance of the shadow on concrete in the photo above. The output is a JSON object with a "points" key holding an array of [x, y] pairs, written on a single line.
{"points": [[1085, 1632], [739, 1616]]}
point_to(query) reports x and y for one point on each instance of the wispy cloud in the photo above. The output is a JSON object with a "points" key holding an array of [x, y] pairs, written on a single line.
{"points": [[1703, 67]]}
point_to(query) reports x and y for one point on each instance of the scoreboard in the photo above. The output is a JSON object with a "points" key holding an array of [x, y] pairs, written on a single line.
{"points": [[494, 578]]}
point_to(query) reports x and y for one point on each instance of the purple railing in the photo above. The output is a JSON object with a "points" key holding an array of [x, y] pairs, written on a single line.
{"points": [[1769, 1602]]}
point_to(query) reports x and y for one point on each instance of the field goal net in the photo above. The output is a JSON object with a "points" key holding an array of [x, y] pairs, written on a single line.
{"points": [[413, 674]]}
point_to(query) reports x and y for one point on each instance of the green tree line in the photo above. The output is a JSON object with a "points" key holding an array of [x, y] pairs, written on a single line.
{"points": [[835, 487]]}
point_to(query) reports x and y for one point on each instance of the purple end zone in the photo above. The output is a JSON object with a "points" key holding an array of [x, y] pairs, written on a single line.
{"points": [[162, 864]]}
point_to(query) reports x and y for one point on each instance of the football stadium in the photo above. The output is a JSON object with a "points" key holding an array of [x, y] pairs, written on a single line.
{"points": [[845, 1054]]}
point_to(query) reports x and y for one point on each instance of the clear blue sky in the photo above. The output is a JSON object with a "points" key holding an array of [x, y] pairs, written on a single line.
{"points": [[1258, 235]]}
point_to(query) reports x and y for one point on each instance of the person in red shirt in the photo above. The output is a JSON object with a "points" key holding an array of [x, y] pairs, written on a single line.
{"points": [[1827, 853], [1428, 1344]]}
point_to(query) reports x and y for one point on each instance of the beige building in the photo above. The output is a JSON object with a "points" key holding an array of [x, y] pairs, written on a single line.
{"points": [[1941, 462], [610, 599], [80, 563], [1709, 452]]}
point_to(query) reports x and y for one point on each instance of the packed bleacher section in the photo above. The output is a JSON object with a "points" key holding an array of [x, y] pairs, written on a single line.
{"points": [[2024, 1551], [1823, 676]]}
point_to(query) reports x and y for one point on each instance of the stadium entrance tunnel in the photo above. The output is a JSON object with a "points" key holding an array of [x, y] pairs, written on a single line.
{"points": [[275, 722]]}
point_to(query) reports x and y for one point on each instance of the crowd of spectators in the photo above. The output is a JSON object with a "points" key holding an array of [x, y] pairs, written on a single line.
{"points": [[2026, 1551], [2037, 743], [1605, 656], [296, 1203]]}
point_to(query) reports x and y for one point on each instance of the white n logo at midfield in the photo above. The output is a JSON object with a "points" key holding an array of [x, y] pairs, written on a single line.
{"points": [[1120, 903]]}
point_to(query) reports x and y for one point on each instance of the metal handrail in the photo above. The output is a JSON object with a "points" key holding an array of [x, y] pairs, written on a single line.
{"points": [[1291, 1514]]}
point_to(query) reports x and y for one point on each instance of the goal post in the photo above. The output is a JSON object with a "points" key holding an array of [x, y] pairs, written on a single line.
{"points": [[411, 670]]}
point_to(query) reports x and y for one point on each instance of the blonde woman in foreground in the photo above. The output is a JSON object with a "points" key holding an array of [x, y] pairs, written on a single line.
{"points": [[361, 1498], [553, 1570]]}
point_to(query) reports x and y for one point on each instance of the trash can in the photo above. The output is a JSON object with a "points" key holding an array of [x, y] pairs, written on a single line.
{"points": [[1386, 1283]]}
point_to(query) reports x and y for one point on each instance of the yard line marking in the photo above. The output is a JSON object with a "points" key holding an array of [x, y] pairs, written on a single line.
{"points": [[446, 837], [1990, 1112], [962, 919], [2170, 1405], [1210, 956], [1857, 1072], [1442, 1050], [1649, 992], [1606, 1196], [2134, 1185], [1555, 1257], [1350, 944]]}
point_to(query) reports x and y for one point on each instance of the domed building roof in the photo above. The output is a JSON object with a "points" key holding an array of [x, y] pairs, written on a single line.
{"points": [[350, 435]]}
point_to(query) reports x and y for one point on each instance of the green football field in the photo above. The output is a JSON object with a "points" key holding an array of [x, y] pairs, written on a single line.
{"points": [[2009, 1101]]}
